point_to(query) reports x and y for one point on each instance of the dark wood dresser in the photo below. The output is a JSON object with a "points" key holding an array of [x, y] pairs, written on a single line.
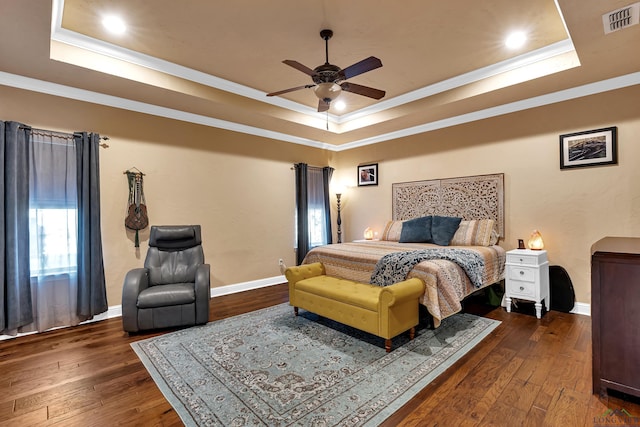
{"points": [[615, 315]]}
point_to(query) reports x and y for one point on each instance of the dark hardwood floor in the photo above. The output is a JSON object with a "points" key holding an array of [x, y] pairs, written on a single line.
{"points": [[527, 372]]}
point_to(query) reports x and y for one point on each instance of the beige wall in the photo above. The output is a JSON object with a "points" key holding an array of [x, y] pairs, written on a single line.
{"points": [[571, 208], [240, 188]]}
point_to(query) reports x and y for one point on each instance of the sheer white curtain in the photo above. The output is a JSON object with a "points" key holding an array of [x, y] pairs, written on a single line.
{"points": [[53, 230]]}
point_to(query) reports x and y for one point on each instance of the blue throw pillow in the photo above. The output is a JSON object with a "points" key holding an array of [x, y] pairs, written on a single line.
{"points": [[416, 230], [443, 228]]}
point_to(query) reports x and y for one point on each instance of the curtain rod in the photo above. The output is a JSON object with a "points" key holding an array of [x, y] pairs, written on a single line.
{"points": [[63, 134], [308, 166]]}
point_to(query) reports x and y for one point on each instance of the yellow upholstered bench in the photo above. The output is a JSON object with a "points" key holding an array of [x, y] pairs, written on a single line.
{"points": [[382, 311]]}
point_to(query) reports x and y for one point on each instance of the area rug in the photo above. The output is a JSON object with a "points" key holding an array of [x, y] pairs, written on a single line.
{"points": [[270, 368]]}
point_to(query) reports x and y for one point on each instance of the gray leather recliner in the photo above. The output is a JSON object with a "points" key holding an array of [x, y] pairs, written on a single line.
{"points": [[173, 288]]}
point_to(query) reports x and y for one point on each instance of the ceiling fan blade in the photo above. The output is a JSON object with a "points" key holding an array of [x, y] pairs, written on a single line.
{"points": [[280, 92], [298, 66], [322, 106], [363, 90], [371, 63]]}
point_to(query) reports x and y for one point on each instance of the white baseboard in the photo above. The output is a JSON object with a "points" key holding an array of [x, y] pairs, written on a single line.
{"points": [[247, 286], [113, 311], [582, 308], [116, 310], [578, 308]]}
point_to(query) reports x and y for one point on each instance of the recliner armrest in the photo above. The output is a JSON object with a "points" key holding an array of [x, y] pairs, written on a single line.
{"points": [[203, 293], [203, 280], [135, 282]]}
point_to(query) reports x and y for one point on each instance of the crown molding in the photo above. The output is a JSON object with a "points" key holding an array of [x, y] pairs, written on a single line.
{"points": [[27, 83], [64, 36], [512, 107], [82, 41], [40, 86], [527, 59]]}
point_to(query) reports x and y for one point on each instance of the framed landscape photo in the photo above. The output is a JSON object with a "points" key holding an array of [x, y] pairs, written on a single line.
{"points": [[368, 174], [589, 148]]}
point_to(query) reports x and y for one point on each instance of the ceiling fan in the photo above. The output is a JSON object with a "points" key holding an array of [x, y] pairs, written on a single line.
{"points": [[329, 80]]}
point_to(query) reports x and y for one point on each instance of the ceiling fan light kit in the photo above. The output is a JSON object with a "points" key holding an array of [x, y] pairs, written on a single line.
{"points": [[327, 91], [329, 80]]}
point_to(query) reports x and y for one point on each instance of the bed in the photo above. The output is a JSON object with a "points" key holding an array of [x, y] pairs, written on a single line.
{"points": [[477, 200]]}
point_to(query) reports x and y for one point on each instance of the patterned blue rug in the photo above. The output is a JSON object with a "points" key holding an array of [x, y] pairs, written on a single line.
{"points": [[270, 368]]}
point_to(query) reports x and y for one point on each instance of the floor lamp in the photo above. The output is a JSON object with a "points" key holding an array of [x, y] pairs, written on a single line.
{"points": [[339, 219]]}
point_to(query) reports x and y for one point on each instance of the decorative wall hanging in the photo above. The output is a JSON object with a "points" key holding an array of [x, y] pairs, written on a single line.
{"points": [[368, 174], [137, 218], [589, 148]]}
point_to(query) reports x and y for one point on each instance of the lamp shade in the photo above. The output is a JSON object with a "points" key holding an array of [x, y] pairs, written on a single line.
{"points": [[535, 241], [327, 91]]}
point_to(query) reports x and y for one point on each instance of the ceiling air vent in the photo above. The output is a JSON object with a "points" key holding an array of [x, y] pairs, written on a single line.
{"points": [[621, 18]]}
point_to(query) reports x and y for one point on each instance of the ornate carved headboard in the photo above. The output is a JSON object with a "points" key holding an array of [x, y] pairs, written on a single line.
{"points": [[469, 197]]}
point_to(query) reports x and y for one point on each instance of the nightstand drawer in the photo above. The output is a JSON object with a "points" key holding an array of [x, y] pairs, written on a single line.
{"points": [[523, 289], [522, 274], [522, 259]]}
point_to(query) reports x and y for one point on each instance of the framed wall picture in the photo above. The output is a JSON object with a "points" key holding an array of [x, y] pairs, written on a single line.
{"points": [[368, 175], [589, 148]]}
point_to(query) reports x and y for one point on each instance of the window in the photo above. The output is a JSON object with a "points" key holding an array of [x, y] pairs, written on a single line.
{"points": [[317, 235], [52, 205], [55, 256], [52, 241]]}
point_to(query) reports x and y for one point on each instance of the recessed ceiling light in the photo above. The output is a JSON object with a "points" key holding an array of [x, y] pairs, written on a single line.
{"points": [[340, 105], [515, 40], [114, 24]]}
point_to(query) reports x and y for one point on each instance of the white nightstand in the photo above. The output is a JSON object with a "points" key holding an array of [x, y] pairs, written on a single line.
{"points": [[527, 278]]}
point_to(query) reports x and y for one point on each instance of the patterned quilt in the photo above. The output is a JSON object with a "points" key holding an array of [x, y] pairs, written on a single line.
{"points": [[446, 282]]}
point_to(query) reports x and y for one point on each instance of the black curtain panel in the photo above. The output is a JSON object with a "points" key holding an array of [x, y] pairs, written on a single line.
{"points": [[302, 212], [327, 171], [92, 292], [15, 293]]}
